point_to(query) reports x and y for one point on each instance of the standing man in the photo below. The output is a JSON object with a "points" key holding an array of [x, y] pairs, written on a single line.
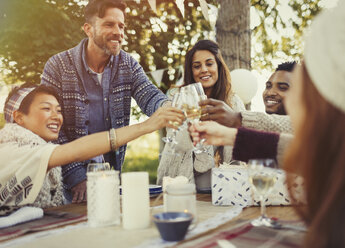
{"points": [[96, 80], [276, 88]]}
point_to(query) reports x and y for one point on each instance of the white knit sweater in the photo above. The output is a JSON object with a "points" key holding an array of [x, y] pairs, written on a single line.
{"points": [[179, 161], [23, 140]]}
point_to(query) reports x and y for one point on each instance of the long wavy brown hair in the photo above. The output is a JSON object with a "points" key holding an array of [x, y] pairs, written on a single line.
{"points": [[221, 89], [318, 154]]}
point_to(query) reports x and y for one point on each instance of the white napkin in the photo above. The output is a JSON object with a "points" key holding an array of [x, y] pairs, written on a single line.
{"points": [[21, 215]]}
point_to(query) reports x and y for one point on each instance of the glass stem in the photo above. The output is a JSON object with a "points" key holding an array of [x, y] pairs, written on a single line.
{"points": [[263, 207]]}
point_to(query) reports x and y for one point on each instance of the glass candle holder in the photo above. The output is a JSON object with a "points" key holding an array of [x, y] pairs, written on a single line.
{"points": [[181, 198], [103, 198]]}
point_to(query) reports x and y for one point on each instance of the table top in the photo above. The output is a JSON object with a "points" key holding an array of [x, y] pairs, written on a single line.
{"points": [[282, 213]]}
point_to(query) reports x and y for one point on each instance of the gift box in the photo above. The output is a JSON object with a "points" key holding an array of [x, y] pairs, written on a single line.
{"points": [[231, 186]]}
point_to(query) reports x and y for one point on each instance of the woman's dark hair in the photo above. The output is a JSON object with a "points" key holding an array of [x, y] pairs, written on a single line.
{"points": [[318, 154], [26, 103], [98, 8], [222, 89]]}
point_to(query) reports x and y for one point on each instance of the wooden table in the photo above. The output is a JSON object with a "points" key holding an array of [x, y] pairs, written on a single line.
{"points": [[283, 213]]}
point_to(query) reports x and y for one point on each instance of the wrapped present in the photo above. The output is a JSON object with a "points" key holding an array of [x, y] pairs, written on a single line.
{"points": [[231, 186]]}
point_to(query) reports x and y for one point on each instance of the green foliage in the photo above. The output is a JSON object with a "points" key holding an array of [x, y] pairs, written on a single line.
{"points": [[142, 163], [163, 39], [142, 155], [33, 30], [288, 30]]}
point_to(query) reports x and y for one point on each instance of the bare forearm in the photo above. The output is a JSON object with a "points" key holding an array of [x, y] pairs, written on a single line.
{"points": [[93, 145], [129, 133]]}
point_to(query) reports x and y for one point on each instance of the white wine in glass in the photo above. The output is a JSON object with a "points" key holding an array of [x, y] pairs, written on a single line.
{"points": [[262, 175], [192, 112], [263, 183]]}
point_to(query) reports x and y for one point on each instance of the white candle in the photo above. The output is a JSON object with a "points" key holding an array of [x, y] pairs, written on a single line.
{"points": [[103, 201], [135, 200]]}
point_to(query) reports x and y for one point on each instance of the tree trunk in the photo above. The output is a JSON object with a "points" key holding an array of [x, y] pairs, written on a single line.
{"points": [[233, 33]]}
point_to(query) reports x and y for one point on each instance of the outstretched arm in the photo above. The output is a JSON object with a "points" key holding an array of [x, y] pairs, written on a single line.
{"points": [[247, 143], [95, 144]]}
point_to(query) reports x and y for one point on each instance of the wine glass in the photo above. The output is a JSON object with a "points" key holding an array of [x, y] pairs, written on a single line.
{"points": [[177, 103], [191, 107], [199, 89], [262, 175], [199, 147]]}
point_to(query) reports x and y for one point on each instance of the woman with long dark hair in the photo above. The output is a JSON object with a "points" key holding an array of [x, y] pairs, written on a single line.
{"points": [[205, 64]]}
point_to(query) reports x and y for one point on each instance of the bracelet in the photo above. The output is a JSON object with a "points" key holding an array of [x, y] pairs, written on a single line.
{"points": [[112, 137], [108, 139]]}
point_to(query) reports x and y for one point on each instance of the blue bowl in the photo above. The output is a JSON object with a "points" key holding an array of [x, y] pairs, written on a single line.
{"points": [[173, 226]]}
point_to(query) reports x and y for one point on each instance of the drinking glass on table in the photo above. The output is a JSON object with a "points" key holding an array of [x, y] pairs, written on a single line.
{"points": [[263, 176], [177, 103]]}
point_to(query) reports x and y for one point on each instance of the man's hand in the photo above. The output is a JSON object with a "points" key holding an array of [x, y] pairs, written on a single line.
{"points": [[79, 192], [219, 111]]}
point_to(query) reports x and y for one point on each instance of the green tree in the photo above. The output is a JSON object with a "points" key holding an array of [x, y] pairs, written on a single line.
{"points": [[33, 30]]}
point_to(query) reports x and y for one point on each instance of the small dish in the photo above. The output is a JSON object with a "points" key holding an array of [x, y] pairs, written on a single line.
{"points": [[173, 226]]}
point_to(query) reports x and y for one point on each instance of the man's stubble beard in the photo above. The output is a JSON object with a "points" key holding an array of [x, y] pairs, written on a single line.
{"points": [[102, 44]]}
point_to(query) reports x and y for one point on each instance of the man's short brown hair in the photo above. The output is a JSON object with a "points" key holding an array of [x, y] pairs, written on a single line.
{"points": [[98, 8]]}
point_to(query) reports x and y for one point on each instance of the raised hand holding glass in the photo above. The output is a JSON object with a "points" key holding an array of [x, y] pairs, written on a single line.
{"points": [[177, 103]]}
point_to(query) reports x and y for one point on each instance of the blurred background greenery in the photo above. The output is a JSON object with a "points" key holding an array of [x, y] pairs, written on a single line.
{"points": [[142, 155]]}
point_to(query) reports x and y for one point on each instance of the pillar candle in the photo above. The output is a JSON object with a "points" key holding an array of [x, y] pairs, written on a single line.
{"points": [[135, 200]]}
